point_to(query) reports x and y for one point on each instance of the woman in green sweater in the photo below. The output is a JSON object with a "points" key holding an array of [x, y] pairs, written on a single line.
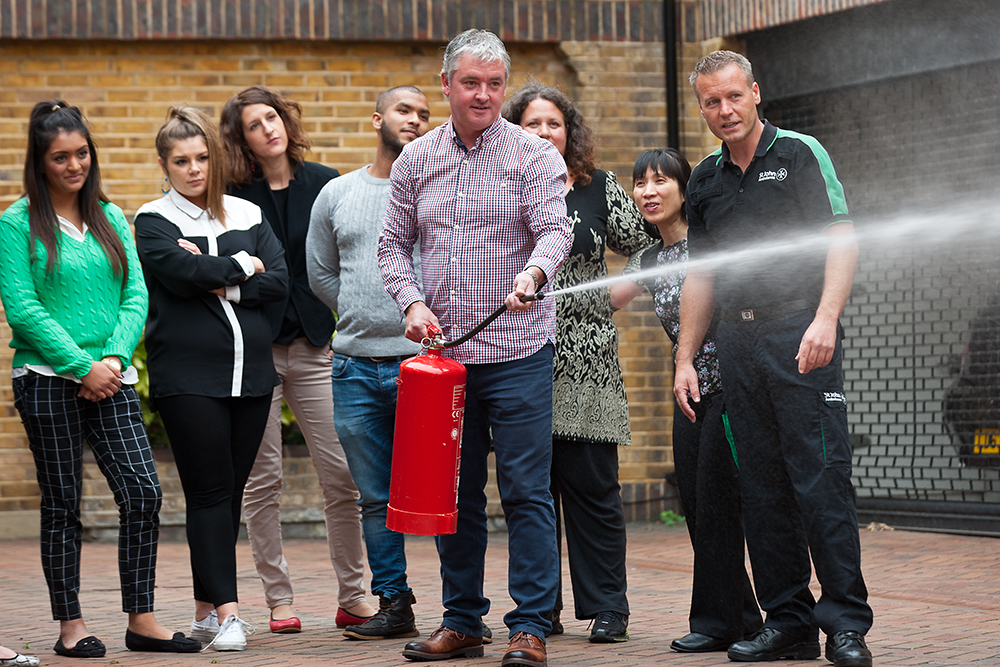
{"points": [[75, 300]]}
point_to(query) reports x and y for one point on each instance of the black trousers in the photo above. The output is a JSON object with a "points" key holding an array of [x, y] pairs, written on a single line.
{"points": [[795, 472], [722, 600], [585, 487], [56, 421], [215, 443]]}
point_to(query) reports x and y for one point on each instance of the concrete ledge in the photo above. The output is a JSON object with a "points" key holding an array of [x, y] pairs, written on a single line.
{"points": [[19, 524]]}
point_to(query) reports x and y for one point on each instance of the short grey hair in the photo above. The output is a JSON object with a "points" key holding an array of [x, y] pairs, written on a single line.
{"points": [[482, 45], [719, 60]]}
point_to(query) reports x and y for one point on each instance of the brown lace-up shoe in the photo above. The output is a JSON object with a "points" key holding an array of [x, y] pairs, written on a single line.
{"points": [[524, 650], [445, 643]]}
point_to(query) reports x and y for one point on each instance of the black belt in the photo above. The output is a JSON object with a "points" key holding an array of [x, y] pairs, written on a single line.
{"points": [[765, 312], [382, 360]]}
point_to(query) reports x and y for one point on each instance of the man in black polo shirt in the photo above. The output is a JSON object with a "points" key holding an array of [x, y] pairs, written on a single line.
{"points": [[770, 202]]}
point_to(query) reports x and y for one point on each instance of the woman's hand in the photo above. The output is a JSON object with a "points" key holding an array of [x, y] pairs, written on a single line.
{"points": [[190, 247], [195, 250], [258, 266], [101, 382]]}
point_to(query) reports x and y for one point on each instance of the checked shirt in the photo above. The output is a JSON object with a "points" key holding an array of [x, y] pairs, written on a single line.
{"points": [[481, 215]]}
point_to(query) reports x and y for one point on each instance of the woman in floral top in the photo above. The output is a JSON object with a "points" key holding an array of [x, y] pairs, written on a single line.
{"points": [[723, 606], [589, 410]]}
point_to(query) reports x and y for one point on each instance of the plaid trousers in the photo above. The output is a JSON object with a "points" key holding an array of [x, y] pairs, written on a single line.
{"points": [[57, 421]]}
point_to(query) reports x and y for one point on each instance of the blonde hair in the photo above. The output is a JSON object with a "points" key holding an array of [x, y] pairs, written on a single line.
{"points": [[186, 122]]}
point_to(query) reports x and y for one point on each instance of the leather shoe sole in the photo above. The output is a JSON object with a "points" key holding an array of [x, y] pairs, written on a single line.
{"points": [[422, 656], [697, 642], [806, 650], [444, 643]]}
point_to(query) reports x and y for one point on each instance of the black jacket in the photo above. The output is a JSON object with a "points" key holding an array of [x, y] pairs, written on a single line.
{"points": [[314, 316], [198, 343]]}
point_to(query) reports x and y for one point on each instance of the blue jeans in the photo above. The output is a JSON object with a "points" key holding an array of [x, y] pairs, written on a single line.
{"points": [[513, 400], [364, 413]]}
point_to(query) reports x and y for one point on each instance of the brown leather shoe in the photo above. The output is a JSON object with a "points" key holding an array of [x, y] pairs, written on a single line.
{"points": [[445, 643], [524, 650]]}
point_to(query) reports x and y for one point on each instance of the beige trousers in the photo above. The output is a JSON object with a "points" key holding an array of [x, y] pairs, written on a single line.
{"points": [[305, 385]]}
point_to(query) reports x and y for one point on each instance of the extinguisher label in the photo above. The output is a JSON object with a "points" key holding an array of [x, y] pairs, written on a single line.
{"points": [[457, 410]]}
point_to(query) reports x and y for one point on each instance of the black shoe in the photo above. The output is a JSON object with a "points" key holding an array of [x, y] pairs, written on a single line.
{"points": [[771, 644], [88, 647], [557, 626], [699, 643], [179, 644], [487, 633], [394, 618], [608, 627], [847, 648]]}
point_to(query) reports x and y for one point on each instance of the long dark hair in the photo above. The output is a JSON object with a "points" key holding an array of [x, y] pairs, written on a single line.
{"points": [[242, 163], [581, 151], [48, 121]]}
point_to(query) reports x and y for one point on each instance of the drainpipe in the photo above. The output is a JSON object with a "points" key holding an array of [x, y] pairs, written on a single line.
{"points": [[670, 64]]}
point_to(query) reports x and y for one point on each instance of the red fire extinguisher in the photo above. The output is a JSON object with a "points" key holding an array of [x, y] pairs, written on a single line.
{"points": [[427, 445]]}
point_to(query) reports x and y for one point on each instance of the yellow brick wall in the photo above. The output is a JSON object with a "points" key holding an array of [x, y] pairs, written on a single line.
{"points": [[125, 88]]}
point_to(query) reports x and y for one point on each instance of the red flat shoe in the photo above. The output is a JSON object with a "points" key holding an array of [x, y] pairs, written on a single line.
{"points": [[345, 618], [286, 626]]}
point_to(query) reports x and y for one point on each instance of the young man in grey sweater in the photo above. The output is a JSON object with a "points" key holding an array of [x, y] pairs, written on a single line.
{"points": [[369, 345]]}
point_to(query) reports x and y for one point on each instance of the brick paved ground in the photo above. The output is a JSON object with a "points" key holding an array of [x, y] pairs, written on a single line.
{"points": [[935, 598]]}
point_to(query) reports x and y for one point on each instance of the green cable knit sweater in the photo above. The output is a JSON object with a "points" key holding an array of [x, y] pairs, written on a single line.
{"points": [[80, 313]]}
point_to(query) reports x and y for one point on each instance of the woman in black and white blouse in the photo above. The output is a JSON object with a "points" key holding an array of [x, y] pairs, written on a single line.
{"points": [[211, 263]]}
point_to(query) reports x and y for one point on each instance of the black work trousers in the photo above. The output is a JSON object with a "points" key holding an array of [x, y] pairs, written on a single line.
{"points": [[795, 472], [585, 487], [722, 600], [215, 443]]}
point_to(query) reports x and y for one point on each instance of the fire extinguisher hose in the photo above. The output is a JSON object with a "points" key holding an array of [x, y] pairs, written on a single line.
{"points": [[495, 314]]}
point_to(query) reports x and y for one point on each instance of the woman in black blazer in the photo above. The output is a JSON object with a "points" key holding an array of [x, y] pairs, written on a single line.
{"points": [[265, 144], [211, 263]]}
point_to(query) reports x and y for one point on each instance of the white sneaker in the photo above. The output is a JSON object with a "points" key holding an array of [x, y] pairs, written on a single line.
{"points": [[232, 635], [205, 629]]}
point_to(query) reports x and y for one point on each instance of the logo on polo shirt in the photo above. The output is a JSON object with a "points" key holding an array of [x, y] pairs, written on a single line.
{"points": [[779, 175]]}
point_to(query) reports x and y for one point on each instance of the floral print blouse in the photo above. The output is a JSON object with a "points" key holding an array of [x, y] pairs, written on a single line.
{"points": [[666, 291]]}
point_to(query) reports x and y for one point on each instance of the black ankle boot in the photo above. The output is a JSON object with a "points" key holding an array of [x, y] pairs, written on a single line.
{"points": [[394, 618]]}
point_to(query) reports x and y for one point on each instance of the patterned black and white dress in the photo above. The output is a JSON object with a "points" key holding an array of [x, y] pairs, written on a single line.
{"points": [[589, 403]]}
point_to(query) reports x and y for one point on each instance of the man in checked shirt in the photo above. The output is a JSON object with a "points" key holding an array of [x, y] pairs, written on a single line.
{"points": [[486, 200]]}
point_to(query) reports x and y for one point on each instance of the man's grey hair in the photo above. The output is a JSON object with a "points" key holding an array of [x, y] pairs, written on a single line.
{"points": [[482, 45], [719, 60]]}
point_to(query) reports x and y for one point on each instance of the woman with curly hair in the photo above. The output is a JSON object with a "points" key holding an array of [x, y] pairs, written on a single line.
{"points": [[590, 410], [265, 144]]}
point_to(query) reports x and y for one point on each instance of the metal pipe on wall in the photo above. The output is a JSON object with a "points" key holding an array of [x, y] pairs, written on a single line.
{"points": [[670, 64]]}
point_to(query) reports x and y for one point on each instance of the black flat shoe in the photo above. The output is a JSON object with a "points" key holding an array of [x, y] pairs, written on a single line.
{"points": [[179, 643], [696, 642], [88, 647]]}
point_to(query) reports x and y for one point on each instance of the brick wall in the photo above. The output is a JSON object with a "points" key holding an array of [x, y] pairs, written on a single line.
{"points": [[383, 20], [125, 88], [703, 20], [910, 152]]}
